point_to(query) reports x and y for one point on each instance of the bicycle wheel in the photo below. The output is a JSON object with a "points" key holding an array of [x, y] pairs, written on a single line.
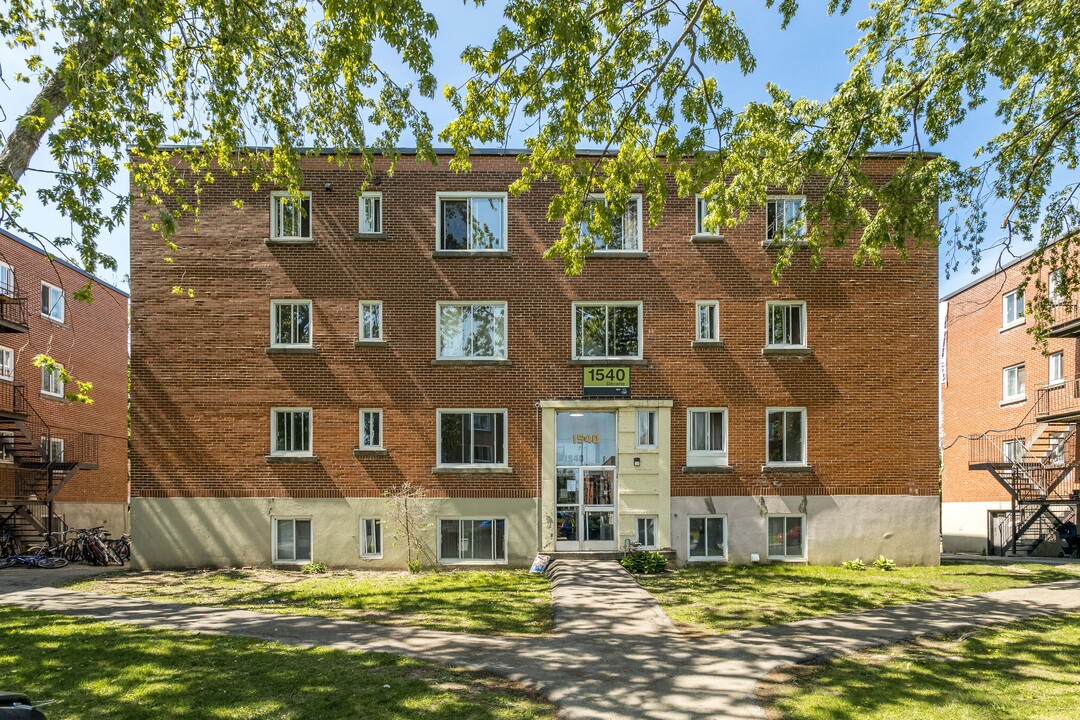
{"points": [[6, 562], [49, 563]]}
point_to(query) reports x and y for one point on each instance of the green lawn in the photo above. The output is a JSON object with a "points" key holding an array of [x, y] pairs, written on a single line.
{"points": [[1027, 670], [104, 670], [722, 598], [499, 602]]}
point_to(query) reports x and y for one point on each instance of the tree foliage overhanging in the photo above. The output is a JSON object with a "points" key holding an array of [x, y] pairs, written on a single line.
{"points": [[636, 78]]}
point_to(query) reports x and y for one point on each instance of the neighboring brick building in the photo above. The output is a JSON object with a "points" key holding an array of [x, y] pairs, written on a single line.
{"points": [[1009, 410], [320, 367], [85, 474]]}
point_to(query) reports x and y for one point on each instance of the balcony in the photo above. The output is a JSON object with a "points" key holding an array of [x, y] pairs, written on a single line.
{"points": [[1058, 402], [13, 318], [1065, 320]]}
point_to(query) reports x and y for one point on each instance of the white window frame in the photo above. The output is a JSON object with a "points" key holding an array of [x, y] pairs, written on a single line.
{"points": [[277, 452], [803, 227], [7, 437], [52, 313], [7, 288], [769, 305], [7, 364], [654, 427], [802, 537], [378, 413], [655, 519], [1020, 374], [365, 551], [440, 196], [1053, 287], [274, 305], [701, 209], [714, 306], [275, 208], [274, 539], [705, 458], [1053, 359], [1013, 301], [365, 199], [56, 450], [378, 336], [634, 199], [458, 561], [48, 386], [575, 335], [1013, 451], [805, 452], [471, 411], [471, 303], [707, 558]]}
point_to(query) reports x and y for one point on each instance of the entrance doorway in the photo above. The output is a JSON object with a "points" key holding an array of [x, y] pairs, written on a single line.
{"points": [[585, 481]]}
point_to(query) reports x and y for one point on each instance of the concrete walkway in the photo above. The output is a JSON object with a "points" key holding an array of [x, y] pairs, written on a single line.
{"points": [[614, 655]]}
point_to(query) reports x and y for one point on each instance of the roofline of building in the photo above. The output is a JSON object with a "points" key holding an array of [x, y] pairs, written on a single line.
{"points": [[500, 152], [70, 266], [997, 270]]}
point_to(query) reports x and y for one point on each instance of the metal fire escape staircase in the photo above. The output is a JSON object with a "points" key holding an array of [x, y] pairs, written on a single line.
{"points": [[36, 461]]}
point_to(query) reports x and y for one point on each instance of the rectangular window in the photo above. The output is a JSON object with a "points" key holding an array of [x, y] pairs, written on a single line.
{"points": [[7, 446], [7, 280], [475, 222], [290, 323], [706, 436], [607, 330], [786, 537], [290, 431], [292, 540], [1013, 383], [472, 437], [52, 382], [708, 320], [1057, 368], [1014, 451], [784, 219], [52, 302], [370, 537], [1012, 311], [786, 436], [371, 320], [472, 540], [56, 450], [646, 532], [625, 227], [708, 538], [646, 429], [702, 211], [290, 217], [371, 213], [1054, 287], [785, 324], [1055, 456], [7, 363], [472, 331], [371, 429]]}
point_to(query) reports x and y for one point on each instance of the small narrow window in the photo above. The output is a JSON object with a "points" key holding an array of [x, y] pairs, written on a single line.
{"points": [[702, 212], [52, 302], [1056, 373], [786, 537], [290, 323], [7, 446], [290, 217], [7, 280], [786, 436], [7, 363], [1055, 282], [785, 324], [371, 213], [708, 323], [370, 537], [707, 538], [56, 450], [1012, 308], [646, 532], [52, 382], [784, 219], [290, 431], [292, 540], [646, 429], [371, 321], [371, 429], [1013, 384]]}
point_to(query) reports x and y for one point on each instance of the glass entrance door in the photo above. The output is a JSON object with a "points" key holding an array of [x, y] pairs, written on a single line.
{"points": [[585, 481]]}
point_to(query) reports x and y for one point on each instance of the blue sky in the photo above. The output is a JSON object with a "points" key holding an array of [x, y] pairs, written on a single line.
{"points": [[808, 59]]}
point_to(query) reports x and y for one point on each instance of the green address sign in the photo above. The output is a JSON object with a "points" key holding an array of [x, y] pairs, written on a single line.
{"points": [[607, 382]]}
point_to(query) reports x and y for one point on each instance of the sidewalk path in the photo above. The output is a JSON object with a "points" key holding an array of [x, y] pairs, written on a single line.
{"points": [[614, 655]]}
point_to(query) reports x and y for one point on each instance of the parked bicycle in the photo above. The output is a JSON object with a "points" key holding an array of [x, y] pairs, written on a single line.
{"points": [[48, 562]]}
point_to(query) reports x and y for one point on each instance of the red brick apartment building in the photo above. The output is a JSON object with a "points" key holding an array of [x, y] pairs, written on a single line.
{"points": [[54, 453], [1009, 417], [671, 394]]}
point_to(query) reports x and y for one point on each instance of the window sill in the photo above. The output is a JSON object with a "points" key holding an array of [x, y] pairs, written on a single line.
{"points": [[369, 236], [707, 344], [608, 361], [369, 343], [1019, 323], [787, 469], [290, 563], [292, 459], [471, 361], [708, 469], [292, 351], [51, 319], [786, 351], [371, 557], [471, 470], [706, 238], [634, 254], [779, 559], [370, 452], [469, 253], [1013, 401], [53, 396], [715, 561], [452, 561], [289, 241], [1048, 386], [776, 245]]}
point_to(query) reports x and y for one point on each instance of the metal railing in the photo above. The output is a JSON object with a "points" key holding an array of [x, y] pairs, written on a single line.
{"points": [[13, 308], [1064, 313], [1058, 400]]}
